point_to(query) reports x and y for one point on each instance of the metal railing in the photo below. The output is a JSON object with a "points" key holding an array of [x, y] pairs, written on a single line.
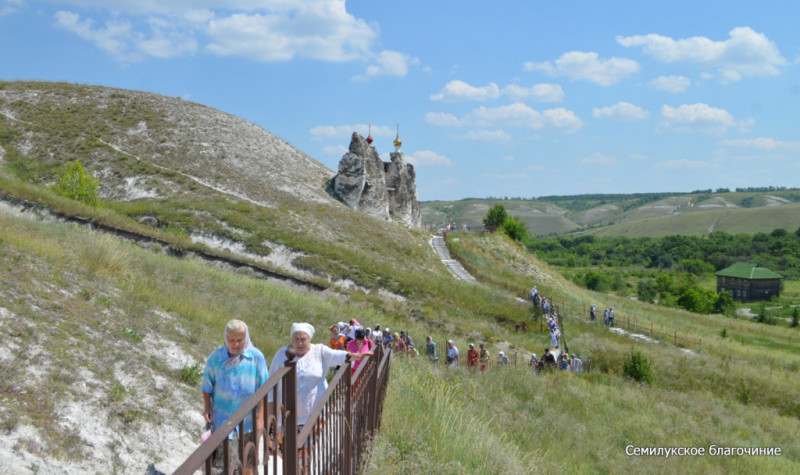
{"points": [[333, 440]]}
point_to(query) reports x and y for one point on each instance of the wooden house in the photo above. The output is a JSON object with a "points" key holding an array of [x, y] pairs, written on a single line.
{"points": [[748, 282]]}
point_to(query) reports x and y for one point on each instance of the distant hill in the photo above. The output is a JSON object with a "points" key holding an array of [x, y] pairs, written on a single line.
{"points": [[655, 214]]}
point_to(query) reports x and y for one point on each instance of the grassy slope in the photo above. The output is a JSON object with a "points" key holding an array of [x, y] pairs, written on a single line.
{"points": [[739, 390]]}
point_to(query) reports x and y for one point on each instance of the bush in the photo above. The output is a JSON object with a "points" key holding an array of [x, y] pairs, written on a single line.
{"points": [[75, 183], [496, 216], [637, 367], [515, 229]]}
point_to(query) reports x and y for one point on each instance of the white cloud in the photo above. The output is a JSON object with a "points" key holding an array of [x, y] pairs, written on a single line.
{"points": [[599, 159], [427, 157], [456, 91], [389, 63], [686, 165], [259, 30], [538, 92], [345, 131], [674, 84], [763, 143], [442, 119], [520, 115], [699, 118], [744, 53], [579, 65], [486, 135], [621, 111]]}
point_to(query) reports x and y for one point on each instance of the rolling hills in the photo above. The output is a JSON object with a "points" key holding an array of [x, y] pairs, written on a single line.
{"points": [[102, 340]]}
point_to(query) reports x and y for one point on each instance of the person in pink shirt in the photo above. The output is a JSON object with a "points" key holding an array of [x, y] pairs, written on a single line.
{"points": [[361, 344]]}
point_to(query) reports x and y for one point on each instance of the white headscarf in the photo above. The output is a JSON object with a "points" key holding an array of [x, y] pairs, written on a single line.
{"points": [[302, 327], [235, 325]]}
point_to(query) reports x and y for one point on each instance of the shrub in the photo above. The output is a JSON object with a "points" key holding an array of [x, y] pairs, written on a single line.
{"points": [[75, 183], [191, 375], [496, 216], [515, 229], [637, 367]]}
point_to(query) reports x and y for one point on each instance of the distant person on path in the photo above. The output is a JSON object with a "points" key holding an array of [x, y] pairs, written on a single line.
{"points": [[577, 364], [564, 361], [452, 354], [554, 337], [611, 316], [361, 344], [472, 357], [397, 345], [534, 361], [483, 357], [387, 338], [233, 373], [605, 317], [410, 349], [548, 357], [377, 335], [533, 295], [592, 315], [337, 338], [502, 359], [432, 350]]}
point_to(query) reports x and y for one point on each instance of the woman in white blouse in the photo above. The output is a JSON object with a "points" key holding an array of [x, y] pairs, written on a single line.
{"points": [[313, 363]]}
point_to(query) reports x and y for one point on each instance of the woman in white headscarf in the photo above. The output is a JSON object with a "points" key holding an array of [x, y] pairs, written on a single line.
{"points": [[313, 363]]}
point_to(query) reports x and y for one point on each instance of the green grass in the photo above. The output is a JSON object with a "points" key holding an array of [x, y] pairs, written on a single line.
{"points": [[96, 305]]}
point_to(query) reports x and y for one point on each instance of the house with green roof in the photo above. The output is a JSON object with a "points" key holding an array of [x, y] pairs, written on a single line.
{"points": [[748, 282]]}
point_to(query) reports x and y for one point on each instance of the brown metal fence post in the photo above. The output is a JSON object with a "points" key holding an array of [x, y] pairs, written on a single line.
{"points": [[290, 419], [348, 420]]}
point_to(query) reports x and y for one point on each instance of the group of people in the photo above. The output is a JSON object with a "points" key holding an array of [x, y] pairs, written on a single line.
{"points": [[608, 315], [237, 369], [563, 362]]}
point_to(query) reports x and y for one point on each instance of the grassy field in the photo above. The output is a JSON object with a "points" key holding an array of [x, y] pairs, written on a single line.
{"points": [[736, 391], [91, 321]]}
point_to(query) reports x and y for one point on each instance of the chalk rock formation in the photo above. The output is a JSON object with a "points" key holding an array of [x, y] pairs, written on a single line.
{"points": [[384, 190]]}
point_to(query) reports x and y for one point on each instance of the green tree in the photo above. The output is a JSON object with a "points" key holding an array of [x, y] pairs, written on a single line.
{"points": [[496, 216], [638, 367], [646, 290], [724, 304], [73, 182], [515, 229]]}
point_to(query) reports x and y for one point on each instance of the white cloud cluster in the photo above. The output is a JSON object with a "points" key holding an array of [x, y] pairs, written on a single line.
{"points": [[456, 90], [673, 84], [744, 53], [521, 115], [621, 111], [258, 30], [426, 158], [537, 92], [699, 118], [587, 66]]}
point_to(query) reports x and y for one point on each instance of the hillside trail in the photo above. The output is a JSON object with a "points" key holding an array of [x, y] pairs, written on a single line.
{"points": [[455, 267]]}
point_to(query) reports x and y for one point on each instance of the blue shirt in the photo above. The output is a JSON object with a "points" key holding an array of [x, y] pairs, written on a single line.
{"points": [[231, 386]]}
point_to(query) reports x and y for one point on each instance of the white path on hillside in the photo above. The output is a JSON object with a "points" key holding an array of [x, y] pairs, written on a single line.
{"points": [[455, 267]]}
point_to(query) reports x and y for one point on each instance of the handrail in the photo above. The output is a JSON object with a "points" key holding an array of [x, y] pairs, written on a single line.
{"points": [[335, 434]]}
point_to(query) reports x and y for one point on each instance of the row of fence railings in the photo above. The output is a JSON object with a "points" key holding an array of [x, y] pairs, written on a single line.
{"points": [[581, 310], [333, 440]]}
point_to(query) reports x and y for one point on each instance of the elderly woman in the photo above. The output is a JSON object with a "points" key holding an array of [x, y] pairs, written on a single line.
{"points": [[452, 354], [313, 363], [233, 373]]}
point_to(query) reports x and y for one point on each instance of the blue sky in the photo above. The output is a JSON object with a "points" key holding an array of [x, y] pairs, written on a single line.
{"points": [[504, 98]]}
